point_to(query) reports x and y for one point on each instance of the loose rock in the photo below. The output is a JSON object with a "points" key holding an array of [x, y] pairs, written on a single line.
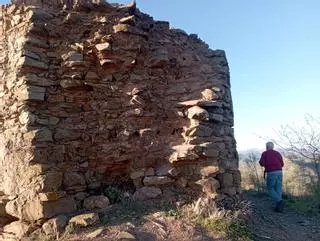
{"points": [[126, 236], [85, 220]]}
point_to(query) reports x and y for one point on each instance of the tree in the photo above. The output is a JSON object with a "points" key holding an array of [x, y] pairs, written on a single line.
{"points": [[303, 142]]}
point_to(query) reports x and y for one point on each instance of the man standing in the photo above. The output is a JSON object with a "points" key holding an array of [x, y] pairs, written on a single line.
{"points": [[272, 162]]}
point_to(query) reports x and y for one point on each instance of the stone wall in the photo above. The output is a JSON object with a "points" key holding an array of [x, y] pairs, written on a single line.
{"points": [[95, 94]]}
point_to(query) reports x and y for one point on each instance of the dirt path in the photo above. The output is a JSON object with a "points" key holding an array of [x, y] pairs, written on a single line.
{"points": [[288, 226]]}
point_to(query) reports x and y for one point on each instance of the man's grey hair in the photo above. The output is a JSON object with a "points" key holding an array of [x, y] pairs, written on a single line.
{"points": [[269, 145]]}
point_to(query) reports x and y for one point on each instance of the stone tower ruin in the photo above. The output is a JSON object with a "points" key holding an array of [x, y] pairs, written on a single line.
{"points": [[93, 94]]}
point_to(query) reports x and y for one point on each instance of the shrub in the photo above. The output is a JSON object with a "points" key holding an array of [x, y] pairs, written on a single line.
{"points": [[115, 195]]}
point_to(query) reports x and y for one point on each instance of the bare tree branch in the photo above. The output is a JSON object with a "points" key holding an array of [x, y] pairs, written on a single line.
{"points": [[303, 142]]}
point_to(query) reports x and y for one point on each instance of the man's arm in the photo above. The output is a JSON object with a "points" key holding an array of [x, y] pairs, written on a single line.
{"points": [[262, 160], [281, 160]]}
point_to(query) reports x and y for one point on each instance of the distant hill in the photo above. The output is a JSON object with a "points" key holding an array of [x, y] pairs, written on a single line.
{"points": [[243, 154]]}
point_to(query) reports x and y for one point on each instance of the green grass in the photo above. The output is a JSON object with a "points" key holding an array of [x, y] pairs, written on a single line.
{"points": [[305, 206], [232, 229], [173, 212]]}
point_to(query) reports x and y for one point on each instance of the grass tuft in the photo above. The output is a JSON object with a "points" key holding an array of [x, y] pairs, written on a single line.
{"points": [[206, 215]]}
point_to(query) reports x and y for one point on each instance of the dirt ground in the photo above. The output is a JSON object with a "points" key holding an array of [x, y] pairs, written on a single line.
{"points": [[151, 231], [145, 225], [266, 224]]}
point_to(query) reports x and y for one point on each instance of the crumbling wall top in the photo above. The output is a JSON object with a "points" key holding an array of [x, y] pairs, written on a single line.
{"points": [[69, 4]]}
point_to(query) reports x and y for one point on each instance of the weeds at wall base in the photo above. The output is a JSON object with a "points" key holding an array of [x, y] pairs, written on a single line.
{"points": [[232, 229], [226, 224]]}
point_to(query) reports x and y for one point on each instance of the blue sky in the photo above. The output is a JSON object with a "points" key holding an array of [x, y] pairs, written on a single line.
{"points": [[273, 49]]}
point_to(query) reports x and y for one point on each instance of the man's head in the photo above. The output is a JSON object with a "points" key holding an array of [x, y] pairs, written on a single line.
{"points": [[269, 145]]}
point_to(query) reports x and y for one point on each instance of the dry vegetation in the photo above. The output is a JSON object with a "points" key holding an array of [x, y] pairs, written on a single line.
{"points": [[230, 224], [161, 220]]}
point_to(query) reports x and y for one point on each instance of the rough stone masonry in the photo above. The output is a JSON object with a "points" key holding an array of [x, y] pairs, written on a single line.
{"points": [[93, 94]]}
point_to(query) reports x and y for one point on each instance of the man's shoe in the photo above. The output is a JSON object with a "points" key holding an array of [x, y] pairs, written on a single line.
{"points": [[280, 207]]}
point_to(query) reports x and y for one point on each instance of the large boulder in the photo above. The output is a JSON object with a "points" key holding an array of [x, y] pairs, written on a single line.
{"points": [[16, 230], [146, 193], [55, 225], [5, 218], [31, 210], [94, 202]]}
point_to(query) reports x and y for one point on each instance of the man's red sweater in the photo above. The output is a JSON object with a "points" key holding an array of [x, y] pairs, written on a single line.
{"points": [[271, 160]]}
